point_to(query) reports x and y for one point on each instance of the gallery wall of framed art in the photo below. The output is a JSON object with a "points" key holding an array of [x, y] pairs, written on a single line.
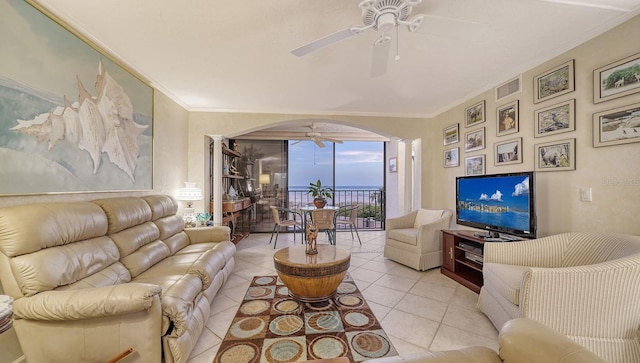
{"points": [[578, 127]]}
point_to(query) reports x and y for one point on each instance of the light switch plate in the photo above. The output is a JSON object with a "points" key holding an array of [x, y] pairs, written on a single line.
{"points": [[585, 194]]}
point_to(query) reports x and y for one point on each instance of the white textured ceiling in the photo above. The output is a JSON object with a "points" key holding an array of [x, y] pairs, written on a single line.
{"points": [[212, 55]]}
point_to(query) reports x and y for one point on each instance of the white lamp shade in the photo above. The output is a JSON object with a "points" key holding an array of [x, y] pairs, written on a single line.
{"points": [[189, 192], [264, 179]]}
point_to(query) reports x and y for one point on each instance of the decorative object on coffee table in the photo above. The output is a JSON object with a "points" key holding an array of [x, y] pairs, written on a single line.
{"points": [[312, 277], [270, 326], [312, 239]]}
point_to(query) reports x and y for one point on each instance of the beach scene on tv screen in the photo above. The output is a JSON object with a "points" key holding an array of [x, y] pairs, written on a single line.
{"points": [[499, 201]]}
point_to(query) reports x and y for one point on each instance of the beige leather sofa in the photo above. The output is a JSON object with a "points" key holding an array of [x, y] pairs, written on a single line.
{"points": [[415, 239], [520, 340], [92, 279], [584, 285]]}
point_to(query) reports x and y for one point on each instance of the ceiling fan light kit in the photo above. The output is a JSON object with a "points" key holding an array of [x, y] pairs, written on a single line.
{"points": [[317, 137], [380, 15]]}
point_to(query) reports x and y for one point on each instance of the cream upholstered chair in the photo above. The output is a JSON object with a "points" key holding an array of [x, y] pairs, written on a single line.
{"points": [[520, 341], [415, 239], [584, 285]]}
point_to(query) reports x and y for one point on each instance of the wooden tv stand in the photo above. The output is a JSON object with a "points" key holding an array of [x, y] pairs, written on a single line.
{"points": [[463, 255], [458, 260]]}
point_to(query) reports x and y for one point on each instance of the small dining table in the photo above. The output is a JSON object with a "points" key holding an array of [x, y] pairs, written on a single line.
{"points": [[306, 210]]}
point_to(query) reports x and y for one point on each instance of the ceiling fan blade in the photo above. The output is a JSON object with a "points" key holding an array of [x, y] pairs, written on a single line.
{"points": [[319, 143], [445, 27], [326, 41], [337, 141], [380, 59]]}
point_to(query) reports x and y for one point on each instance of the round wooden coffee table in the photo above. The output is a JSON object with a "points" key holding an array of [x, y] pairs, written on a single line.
{"points": [[312, 278]]}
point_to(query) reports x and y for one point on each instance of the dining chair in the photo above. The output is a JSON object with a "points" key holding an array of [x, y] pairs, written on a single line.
{"points": [[324, 219], [286, 223], [351, 220]]}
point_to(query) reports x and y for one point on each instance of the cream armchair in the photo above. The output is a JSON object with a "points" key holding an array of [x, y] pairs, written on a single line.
{"points": [[521, 341], [584, 285], [415, 239]]}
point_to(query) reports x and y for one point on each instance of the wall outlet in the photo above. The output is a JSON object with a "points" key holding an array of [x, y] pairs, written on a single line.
{"points": [[585, 194]]}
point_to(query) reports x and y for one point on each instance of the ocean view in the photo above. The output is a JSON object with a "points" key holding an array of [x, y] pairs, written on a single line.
{"points": [[348, 187]]}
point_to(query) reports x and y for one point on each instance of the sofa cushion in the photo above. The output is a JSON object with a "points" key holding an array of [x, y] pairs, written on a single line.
{"points": [[426, 216], [131, 239], [33, 227], [57, 266], [145, 257], [506, 280], [161, 206], [169, 226], [124, 212], [405, 235]]}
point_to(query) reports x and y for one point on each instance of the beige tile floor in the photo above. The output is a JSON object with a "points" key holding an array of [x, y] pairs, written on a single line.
{"points": [[418, 310]]}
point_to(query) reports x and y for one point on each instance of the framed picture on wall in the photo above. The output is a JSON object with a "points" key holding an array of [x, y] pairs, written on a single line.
{"points": [[393, 165], [474, 165], [554, 82], [617, 79], [555, 119], [508, 152], [451, 157], [617, 126], [556, 155], [104, 141], [474, 140], [475, 114], [507, 118], [451, 135]]}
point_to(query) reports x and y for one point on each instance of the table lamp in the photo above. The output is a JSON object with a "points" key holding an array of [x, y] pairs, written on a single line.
{"points": [[264, 179], [189, 194]]}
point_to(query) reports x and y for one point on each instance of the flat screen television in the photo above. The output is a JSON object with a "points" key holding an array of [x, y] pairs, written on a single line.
{"points": [[498, 203]]}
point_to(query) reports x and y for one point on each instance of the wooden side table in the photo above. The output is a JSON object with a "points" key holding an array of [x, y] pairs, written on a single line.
{"points": [[312, 278]]}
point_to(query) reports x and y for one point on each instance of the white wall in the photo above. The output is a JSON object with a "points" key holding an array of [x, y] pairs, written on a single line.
{"points": [[612, 172], [392, 197]]}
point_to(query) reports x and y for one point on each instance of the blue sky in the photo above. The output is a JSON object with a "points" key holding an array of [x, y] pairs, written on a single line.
{"points": [[357, 163], [508, 191]]}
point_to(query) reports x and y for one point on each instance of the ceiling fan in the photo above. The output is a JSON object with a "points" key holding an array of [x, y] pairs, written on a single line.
{"points": [[384, 16], [316, 137]]}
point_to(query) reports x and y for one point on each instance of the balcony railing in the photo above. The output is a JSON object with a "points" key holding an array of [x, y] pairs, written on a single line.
{"points": [[371, 205]]}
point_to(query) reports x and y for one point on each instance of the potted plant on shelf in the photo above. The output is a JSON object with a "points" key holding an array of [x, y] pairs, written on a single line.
{"points": [[319, 193]]}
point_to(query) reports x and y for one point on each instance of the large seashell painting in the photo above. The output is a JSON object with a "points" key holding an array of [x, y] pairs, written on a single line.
{"points": [[100, 124]]}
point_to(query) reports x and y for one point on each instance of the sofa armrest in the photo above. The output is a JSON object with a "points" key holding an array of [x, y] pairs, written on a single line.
{"points": [[405, 221], [598, 300], [526, 341], [86, 303], [208, 234]]}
